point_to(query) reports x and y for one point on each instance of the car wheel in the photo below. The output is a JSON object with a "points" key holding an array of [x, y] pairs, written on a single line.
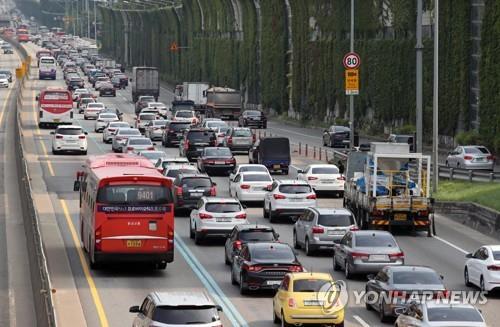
{"points": [[233, 280], [296, 244], [243, 289], [331, 144], [340, 324], [272, 218], [347, 271], [482, 286], [283, 321], [276, 319], [191, 231], [447, 163], [381, 313], [336, 266], [466, 277], [368, 306], [55, 152], [84, 152], [308, 249], [197, 238], [226, 259], [265, 213]]}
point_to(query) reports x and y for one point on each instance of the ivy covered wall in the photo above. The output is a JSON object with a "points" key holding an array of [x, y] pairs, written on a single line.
{"points": [[244, 44]]}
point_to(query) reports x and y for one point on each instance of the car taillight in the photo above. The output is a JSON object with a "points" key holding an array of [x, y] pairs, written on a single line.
{"points": [[295, 269], [279, 196], [254, 138], [241, 216], [311, 197], [230, 161], [341, 178], [467, 157], [317, 230], [490, 157], [230, 140], [237, 245], [59, 136], [494, 268], [399, 255], [213, 191], [205, 216], [151, 148], [359, 255], [178, 190], [354, 228], [82, 137], [111, 130], [208, 162], [138, 121], [98, 236], [129, 148], [251, 268], [245, 186], [441, 294], [312, 178], [292, 303]]}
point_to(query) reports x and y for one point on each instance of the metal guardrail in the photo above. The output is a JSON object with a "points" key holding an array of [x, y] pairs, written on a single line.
{"points": [[40, 279], [468, 174]]}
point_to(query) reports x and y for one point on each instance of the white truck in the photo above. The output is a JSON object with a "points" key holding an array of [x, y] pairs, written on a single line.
{"points": [[196, 92], [389, 187]]}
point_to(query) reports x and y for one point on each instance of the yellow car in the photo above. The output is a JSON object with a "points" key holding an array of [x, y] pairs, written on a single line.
{"points": [[308, 298]]}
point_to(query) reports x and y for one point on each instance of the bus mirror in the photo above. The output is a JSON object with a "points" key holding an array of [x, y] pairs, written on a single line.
{"points": [[76, 186], [36, 98]]}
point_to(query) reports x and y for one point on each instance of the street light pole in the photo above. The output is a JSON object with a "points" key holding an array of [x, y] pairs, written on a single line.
{"points": [[435, 103], [95, 23], [351, 97], [419, 49], [88, 19]]}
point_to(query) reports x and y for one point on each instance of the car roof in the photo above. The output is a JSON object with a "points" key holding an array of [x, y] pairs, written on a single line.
{"points": [[152, 151], [411, 268], [253, 226], [69, 127], [322, 165], [292, 181], [193, 175], [493, 247], [310, 275], [182, 298], [268, 245], [181, 166], [447, 304], [331, 211], [371, 232]]}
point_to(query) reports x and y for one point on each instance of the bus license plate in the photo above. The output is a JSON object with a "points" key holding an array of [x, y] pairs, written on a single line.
{"points": [[56, 120], [400, 216], [134, 243]]}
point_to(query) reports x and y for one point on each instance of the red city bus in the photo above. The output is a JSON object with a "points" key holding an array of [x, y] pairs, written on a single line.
{"points": [[55, 107], [126, 211]]}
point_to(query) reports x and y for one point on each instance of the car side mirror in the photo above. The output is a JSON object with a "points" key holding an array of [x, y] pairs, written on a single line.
{"points": [[269, 188], [76, 186], [244, 206], [37, 97], [86, 133], [134, 309], [154, 144], [130, 79], [469, 256], [214, 184], [370, 277], [52, 133], [442, 277], [219, 308], [277, 235], [400, 311], [300, 171]]}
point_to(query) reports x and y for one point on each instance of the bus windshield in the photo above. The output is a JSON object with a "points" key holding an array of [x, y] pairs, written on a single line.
{"points": [[133, 195], [56, 96]]}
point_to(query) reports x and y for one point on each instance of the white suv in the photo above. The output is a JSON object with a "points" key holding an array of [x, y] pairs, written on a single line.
{"points": [[69, 138], [323, 177], [288, 197], [214, 216]]}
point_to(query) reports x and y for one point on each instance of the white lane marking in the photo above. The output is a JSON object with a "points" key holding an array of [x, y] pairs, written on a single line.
{"points": [[451, 244], [361, 321]]}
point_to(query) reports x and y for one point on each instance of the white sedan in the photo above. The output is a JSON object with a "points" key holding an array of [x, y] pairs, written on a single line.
{"points": [[4, 81], [103, 119], [483, 268], [215, 216], [69, 138], [92, 110], [110, 130], [248, 167], [250, 186], [323, 177]]}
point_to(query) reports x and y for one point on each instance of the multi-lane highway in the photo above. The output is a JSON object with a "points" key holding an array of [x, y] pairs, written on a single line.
{"points": [[102, 297]]}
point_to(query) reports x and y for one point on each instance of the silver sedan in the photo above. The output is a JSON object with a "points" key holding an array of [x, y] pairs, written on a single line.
{"points": [[471, 157]]}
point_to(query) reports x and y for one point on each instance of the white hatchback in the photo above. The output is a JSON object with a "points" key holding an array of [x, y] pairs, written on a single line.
{"points": [[288, 198], [323, 177], [214, 216], [92, 110], [250, 186], [103, 119], [69, 138]]}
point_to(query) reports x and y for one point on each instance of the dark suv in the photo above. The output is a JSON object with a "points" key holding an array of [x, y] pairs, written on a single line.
{"points": [[195, 140], [173, 132], [252, 118], [187, 189], [246, 233]]}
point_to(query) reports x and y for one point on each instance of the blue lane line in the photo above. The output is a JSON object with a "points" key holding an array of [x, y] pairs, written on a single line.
{"points": [[229, 309]]}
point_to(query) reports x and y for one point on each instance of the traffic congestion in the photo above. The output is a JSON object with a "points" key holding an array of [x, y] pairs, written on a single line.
{"points": [[181, 206]]}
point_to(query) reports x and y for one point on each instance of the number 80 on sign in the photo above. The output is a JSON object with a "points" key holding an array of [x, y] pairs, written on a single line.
{"points": [[351, 60]]}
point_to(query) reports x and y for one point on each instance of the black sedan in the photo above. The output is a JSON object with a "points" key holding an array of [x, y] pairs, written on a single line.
{"points": [[336, 136], [247, 233], [252, 118], [262, 266], [401, 285], [107, 89], [216, 159]]}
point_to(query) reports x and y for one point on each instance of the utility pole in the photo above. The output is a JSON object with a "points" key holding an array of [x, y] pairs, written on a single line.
{"points": [[88, 19], [95, 24], [351, 97], [435, 103], [419, 49]]}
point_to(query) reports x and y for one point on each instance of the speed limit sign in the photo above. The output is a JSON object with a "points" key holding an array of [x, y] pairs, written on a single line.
{"points": [[351, 60]]}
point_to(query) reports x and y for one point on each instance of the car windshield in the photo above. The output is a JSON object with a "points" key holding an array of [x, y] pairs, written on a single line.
{"points": [[178, 127], [454, 314], [217, 152], [216, 123], [69, 131], [119, 124], [139, 141], [184, 114], [256, 235], [295, 189], [2, 76], [147, 117], [253, 113], [256, 178], [477, 150], [496, 255], [222, 207], [336, 220], [153, 155], [310, 285], [159, 122], [174, 172], [185, 315], [147, 99], [108, 116], [416, 277], [273, 253], [95, 105], [253, 168], [242, 133], [375, 240], [87, 100], [133, 194], [223, 130], [129, 132], [325, 170], [201, 136], [196, 182]]}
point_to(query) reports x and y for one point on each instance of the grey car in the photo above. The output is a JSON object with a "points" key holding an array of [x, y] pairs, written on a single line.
{"points": [[177, 308], [320, 228], [239, 139], [401, 285], [121, 136], [155, 128], [434, 314], [366, 252], [471, 157]]}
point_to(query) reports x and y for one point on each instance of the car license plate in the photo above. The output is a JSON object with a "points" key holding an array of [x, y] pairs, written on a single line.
{"points": [[400, 216], [134, 243], [327, 181], [479, 159], [336, 232], [312, 302], [273, 282], [378, 257], [223, 220], [276, 166], [220, 162], [296, 199], [56, 120], [196, 195]]}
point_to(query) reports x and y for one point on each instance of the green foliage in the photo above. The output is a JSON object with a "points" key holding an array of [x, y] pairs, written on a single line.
{"points": [[486, 194], [469, 138], [405, 129]]}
